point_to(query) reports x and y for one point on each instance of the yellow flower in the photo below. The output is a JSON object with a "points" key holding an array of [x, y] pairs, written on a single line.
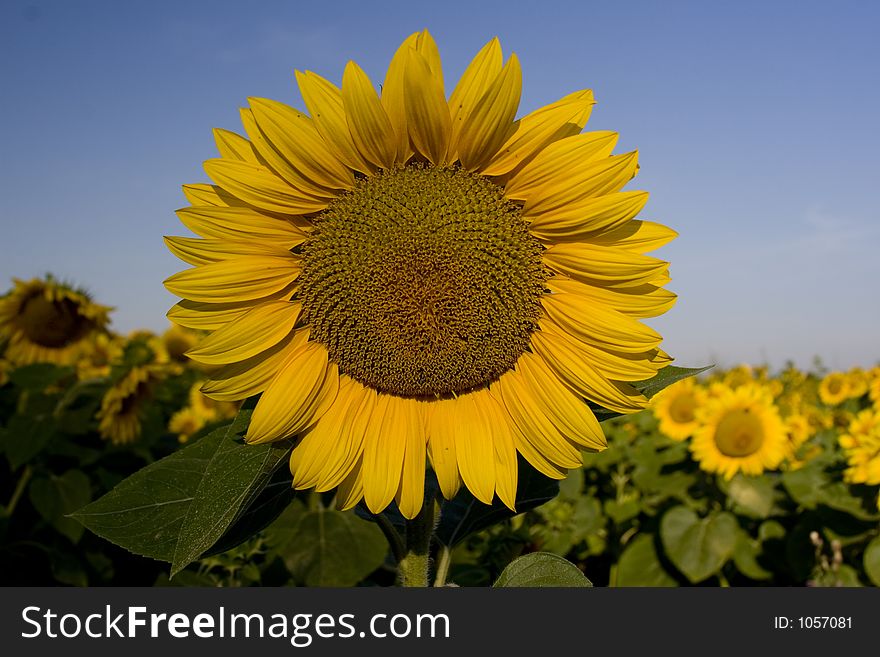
{"points": [[675, 408], [740, 431], [44, 321], [798, 428], [861, 445], [739, 376], [408, 278], [98, 355], [834, 388], [874, 386], [119, 418], [857, 382], [186, 422], [177, 340], [210, 409]]}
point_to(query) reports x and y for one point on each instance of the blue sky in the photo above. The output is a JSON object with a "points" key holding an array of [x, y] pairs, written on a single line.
{"points": [[756, 124]]}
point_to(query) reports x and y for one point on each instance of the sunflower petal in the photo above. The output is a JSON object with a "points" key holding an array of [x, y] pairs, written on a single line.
{"points": [[427, 113], [490, 123], [211, 316], [258, 186], [411, 493], [586, 216], [295, 137], [288, 405], [639, 300], [196, 251], [233, 146], [371, 130], [441, 446], [257, 330], [597, 264], [324, 102], [506, 466], [473, 85], [200, 194], [636, 236], [566, 159], [241, 225], [351, 490], [548, 124], [384, 451], [475, 443], [239, 279]]}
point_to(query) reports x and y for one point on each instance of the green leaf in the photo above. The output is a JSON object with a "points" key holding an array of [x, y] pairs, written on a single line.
{"points": [[56, 496], [640, 566], [327, 547], [541, 569], [38, 376], [233, 478], [464, 514], [805, 485], [745, 557], [698, 548], [26, 437], [752, 496], [871, 561], [650, 387], [150, 512]]}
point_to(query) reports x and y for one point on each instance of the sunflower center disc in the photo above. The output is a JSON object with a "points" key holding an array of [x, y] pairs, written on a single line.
{"points": [[422, 281], [739, 433], [51, 323]]}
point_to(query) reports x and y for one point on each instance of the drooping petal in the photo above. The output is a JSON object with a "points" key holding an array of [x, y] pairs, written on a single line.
{"points": [[295, 137], [370, 127], [324, 102], [201, 194], [257, 330], [490, 123], [239, 279], [644, 300], [506, 466], [351, 490], [288, 405], [548, 124]]}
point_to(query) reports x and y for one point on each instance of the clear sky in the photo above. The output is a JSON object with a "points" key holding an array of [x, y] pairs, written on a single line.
{"points": [[756, 123]]}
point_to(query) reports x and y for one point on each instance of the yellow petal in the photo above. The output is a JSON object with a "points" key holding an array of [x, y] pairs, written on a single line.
{"points": [[599, 325], [295, 137], [570, 415], [201, 194], [636, 236], [490, 123], [324, 102], [384, 450], [583, 378], [239, 279], [235, 147], [473, 85], [411, 493], [260, 187], [563, 162], [638, 301], [196, 251], [241, 225], [210, 316], [473, 429], [257, 330], [596, 264], [351, 490], [441, 446], [586, 216], [531, 420], [599, 177], [506, 466], [427, 114], [370, 128], [252, 376], [288, 405]]}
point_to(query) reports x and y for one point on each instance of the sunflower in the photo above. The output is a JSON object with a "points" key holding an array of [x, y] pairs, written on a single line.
{"points": [[675, 409], [861, 445], [185, 423], [834, 388], [45, 321], [410, 279], [177, 340], [98, 355], [740, 431], [119, 418]]}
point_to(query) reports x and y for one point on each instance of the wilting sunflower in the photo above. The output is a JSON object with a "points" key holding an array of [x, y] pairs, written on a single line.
{"points": [[46, 321], [675, 409], [410, 277], [740, 431]]}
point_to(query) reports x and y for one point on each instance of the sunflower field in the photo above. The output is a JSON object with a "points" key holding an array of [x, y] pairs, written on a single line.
{"points": [[742, 477]]}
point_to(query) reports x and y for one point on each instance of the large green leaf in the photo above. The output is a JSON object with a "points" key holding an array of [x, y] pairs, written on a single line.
{"points": [[38, 376], [56, 496], [745, 557], [541, 569], [698, 547], [178, 507], [26, 436], [650, 387], [325, 547], [640, 566], [751, 496]]}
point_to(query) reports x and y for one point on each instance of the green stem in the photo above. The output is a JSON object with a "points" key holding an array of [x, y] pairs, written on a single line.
{"points": [[393, 538], [444, 559], [413, 568], [19, 489]]}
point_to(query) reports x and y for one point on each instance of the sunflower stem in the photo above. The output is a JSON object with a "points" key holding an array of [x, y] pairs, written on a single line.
{"points": [[444, 559], [398, 549], [19, 489], [413, 568]]}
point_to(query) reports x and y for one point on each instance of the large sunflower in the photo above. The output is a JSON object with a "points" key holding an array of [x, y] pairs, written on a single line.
{"points": [[740, 431], [46, 321], [409, 278]]}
